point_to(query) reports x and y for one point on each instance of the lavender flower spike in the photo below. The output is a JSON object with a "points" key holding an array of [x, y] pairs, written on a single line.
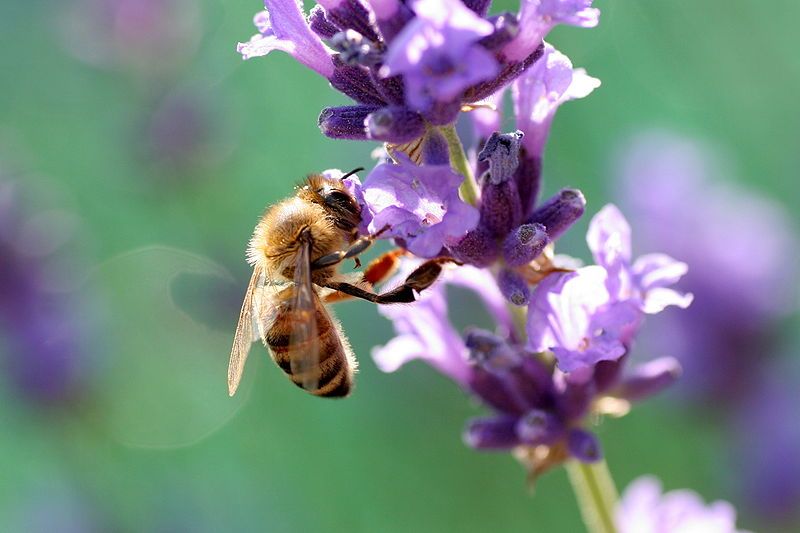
{"points": [[438, 54], [420, 204], [643, 507], [550, 82], [538, 17], [284, 27]]}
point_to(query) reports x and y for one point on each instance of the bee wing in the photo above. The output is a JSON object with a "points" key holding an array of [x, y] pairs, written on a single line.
{"points": [[304, 336], [245, 330]]}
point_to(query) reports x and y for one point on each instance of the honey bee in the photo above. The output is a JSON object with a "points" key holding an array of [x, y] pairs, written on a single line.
{"points": [[295, 251]]}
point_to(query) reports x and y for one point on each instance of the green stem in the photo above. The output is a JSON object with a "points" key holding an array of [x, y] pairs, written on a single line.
{"points": [[459, 162], [596, 494]]}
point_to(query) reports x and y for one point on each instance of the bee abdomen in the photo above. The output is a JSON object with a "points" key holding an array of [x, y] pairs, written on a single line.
{"points": [[333, 374]]}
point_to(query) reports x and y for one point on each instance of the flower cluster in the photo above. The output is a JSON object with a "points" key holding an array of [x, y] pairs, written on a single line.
{"points": [[409, 65], [558, 354], [580, 325]]}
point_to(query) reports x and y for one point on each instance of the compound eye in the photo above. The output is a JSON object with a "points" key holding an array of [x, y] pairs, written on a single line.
{"points": [[341, 200]]}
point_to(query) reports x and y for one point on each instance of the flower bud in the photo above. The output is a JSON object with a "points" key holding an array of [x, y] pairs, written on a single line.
{"points": [[502, 152], [525, 244], [500, 205], [539, 427], [477, 248], [319, 23], [529, 179], [351, 15], [346, 122], [559, 212], [491, 433], [395, 124], [514, 287], [355, 82], [490, 351]]}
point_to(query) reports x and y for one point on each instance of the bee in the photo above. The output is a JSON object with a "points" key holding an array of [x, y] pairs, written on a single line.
{"points": [[296, 250]]}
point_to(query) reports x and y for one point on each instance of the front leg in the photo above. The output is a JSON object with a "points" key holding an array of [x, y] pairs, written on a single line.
{"points": [[358, 247]]}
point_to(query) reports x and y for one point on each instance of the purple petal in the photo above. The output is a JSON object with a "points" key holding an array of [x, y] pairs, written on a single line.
{"points": [[539, 92], [537, 18], [609, 237], [283, 27]]}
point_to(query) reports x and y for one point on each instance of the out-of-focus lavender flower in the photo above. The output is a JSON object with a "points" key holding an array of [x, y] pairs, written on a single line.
{"points": [[179, 134], [680, 204], [645, 509], [419, 204], [408, 66], [44, 344], [148, 36], [766, 440], [438, 53], [592, 314]]}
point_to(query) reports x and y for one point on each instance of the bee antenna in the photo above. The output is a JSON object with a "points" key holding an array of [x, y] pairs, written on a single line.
{"points": [[359, 169]]}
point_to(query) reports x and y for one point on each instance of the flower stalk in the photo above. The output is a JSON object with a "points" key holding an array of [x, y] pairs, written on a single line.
{"points": [[460, 163], [596, 494]]}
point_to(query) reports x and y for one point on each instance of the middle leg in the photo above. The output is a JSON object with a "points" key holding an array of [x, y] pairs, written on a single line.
{"points": [[420, 279]]}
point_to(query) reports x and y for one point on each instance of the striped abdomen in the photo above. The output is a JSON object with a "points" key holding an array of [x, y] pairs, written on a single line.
{"points": [[334, 372]]}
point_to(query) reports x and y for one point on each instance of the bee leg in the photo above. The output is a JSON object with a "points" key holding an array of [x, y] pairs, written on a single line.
{"points": [[376, 272], [420, 279], [357, 248]]}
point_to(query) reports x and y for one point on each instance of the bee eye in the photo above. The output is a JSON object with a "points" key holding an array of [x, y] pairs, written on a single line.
{"points": [[339, 199]]}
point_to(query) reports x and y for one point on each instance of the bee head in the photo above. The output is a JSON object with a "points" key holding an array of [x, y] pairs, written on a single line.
{"points": [[334, 197]]}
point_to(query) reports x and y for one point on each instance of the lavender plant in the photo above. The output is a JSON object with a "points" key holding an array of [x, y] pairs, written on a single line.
{"points": [[557, 357]]}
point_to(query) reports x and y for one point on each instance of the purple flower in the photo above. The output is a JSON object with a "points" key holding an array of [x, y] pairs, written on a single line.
{"points": [[766, 437], [645, 509], [44, 337], [539, 92], [438, 53], [592, 314], [406, 65], [682, 203], [538, 17], [282, 26], [419, 204], [646, 280], [573, 316]]}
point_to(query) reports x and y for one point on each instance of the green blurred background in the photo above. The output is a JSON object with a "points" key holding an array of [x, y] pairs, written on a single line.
{"points": [[164, 147]]}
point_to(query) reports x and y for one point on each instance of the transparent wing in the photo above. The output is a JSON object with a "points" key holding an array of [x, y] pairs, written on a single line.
{"points": [[305, 336], [244, 336]]}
